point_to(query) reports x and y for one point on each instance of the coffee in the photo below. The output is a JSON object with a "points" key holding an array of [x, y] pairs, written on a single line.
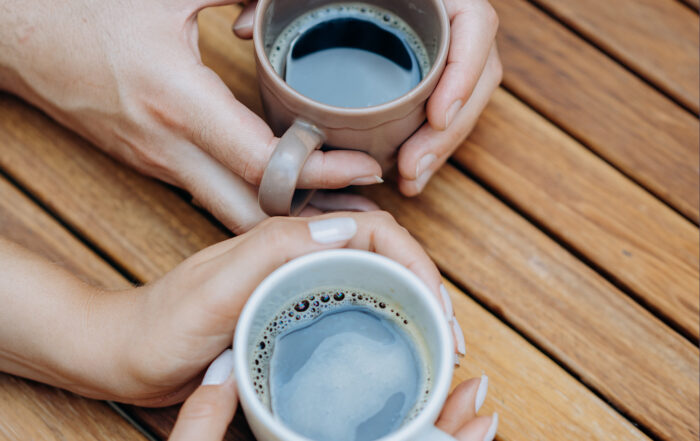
{"points": [[341, 365], [350, 55]]}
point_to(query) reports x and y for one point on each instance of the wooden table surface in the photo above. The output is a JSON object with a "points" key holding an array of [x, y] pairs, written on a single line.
{"points": [[566, 227]]}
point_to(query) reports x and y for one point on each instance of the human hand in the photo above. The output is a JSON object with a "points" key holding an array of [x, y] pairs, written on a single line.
{"points": [[209, 410], [128, 76], [171, 329], [473, 73]]}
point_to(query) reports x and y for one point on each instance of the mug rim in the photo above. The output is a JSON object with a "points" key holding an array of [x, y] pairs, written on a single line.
{"points": [[405, 99], [445, 354]]}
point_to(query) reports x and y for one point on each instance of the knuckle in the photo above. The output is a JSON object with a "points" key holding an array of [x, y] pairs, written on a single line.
{"points": [[275, 230], [491, 16], [383, 219]]}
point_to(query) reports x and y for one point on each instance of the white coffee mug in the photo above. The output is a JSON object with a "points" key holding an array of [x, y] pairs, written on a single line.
{"points": [[346, 269]]}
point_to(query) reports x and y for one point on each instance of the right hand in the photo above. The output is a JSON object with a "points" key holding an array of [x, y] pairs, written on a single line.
{"points": [[128, 76], [209, 410]]}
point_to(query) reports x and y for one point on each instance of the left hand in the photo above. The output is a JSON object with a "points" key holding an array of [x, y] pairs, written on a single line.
{"points": [[473, 73], [209, 410]]}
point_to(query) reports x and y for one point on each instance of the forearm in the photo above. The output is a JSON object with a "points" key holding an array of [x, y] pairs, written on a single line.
{"points": [[58, 330]]}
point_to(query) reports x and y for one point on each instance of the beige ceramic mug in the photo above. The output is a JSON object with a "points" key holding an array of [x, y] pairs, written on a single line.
{"points": [[307, 124]]}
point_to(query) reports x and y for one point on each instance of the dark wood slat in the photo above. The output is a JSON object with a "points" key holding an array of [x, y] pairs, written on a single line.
{"points": [[32, 411], [533, 394], [581, 199], [656, 38], [695, 4], [613, 112]]}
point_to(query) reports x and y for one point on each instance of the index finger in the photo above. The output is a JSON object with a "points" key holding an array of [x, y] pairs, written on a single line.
{"points": [[473, 29]]}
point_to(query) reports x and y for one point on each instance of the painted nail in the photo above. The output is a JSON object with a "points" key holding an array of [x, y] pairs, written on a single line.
{"points": [[425, 162], [459, 337], [333, 230], [246, 21], [481, 392], [367, 180], [452, 112], [456, 360], [423, 179], [446, 302], [491, 434], [219, 369]]}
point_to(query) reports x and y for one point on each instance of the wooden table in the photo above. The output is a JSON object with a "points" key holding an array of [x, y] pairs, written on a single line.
{"points": [[566, 226]]}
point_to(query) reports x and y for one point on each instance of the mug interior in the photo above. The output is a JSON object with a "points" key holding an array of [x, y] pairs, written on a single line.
{"points": [[355, 270]]}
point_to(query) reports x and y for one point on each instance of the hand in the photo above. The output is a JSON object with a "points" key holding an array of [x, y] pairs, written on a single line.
{"points": [[472, 74], [127, 75], [209, 410], [174, 327]]}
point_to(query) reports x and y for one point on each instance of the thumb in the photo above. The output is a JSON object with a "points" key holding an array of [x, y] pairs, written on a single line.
{"points": [[209, 410], [243, 26]]}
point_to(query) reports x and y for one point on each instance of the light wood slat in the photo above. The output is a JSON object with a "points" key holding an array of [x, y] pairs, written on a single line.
{"points": [[610, 220], [28, 410], [533, 394], [656, 38], [612, 111]]}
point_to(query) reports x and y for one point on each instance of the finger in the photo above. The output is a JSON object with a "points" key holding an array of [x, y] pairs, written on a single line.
{"points": [[310, 211], [331, 201], [479, 429], [463, 404], [243, 26], [243, 142], [279, 240], [207, 413], [226, 196], [428, 149], [473, 30]]}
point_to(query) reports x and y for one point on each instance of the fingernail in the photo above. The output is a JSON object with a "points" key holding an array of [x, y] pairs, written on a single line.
{"points": [[446, 302], [452, 112], [456, 360], [459, 337], [425, 162], [481, 392], [219, 369], [336, 229], [423, 179], [244, 22], [491, 434], [367, 180]]}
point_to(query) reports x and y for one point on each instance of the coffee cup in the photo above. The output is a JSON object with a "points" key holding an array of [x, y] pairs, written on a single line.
{"points": [[355, 271], [306, 124]]}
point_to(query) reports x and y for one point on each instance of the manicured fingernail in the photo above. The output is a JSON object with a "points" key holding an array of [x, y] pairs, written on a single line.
{"points": [[425, 162], [491, 433], [367, 180], [452, 112], [336, 229], [456, 360], [219, 369], [446, 302], [481, 392], [423, 179], [246, 21], [459, 337]]}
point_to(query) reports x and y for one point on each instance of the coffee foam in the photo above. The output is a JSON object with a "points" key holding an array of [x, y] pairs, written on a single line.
{"points": [[310, 307], [277, 51]]}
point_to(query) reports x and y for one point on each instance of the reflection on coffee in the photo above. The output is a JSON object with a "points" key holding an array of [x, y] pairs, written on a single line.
{"points": [[341, 365], [350, 55]]}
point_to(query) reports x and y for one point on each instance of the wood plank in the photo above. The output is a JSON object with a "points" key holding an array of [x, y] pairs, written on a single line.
{"points": [[656, 38], [532, 393], [29, 410], [609, 109], [639, 241]]}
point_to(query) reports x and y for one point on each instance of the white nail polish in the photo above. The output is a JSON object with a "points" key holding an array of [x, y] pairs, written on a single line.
{"points": [[332, 230], [459, 336], [481, 392], [367, 180], [457, 363], [219, 369], [491, 433], [425, 162], [452, 112], [446, 302], [423, 179]]}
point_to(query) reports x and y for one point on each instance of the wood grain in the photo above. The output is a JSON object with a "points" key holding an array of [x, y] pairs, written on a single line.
{"points": [[32, 411], [609, 109], [614, 223], [533, 395], [656, 38]]}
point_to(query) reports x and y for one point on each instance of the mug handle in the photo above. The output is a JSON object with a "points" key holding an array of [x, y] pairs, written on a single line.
{"points": [[432, 433], [278, 195]]}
